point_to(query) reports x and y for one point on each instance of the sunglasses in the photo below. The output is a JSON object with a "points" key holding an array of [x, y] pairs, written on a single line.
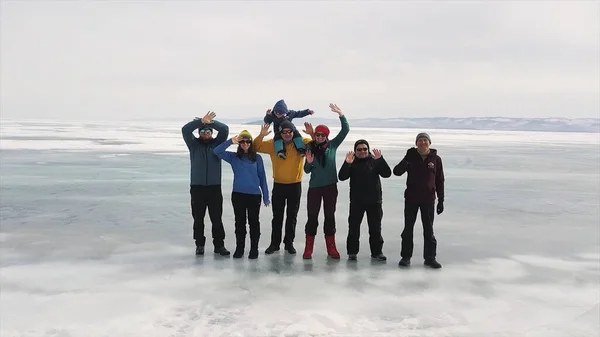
{"points": [[286, 132], [245, 142], [320, 135], [205, 131], [362, 149]]}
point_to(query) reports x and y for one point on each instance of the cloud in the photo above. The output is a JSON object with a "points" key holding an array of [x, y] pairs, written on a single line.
{"points": [[118, 60]]}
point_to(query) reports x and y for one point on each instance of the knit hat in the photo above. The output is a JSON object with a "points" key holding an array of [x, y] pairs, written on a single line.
{"points": [[423, 135], [246, 134], [361, 141], [322, 129], [286, 125]]}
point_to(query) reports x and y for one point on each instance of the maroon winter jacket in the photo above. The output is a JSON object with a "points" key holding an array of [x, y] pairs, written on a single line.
{"points": [[425, 176]]}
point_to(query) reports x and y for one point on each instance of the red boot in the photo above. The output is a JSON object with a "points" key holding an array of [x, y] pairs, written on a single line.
{"points": [[308, 249], [331, 250]]}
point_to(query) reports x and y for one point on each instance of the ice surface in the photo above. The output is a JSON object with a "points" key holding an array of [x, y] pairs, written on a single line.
{"points": [[95, 240]]}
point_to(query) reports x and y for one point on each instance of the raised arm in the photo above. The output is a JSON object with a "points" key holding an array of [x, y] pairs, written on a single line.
{"points": [[262, 176], [337, 140], [381, 166], [345, 170], [223, 132], [268, 117], [220, 152], [262, 146], [383, 169], [402, 166], [344, 173], [298, 114], [309, 162], [187, 131]]}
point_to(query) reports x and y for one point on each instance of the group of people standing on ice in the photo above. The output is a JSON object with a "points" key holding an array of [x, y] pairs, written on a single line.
{"points": [[292, 156]]}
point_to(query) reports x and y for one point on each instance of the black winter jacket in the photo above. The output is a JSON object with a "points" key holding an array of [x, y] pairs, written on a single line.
{"points": [[365, 184]]}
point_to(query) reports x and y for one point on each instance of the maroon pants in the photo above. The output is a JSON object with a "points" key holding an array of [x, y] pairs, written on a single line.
{"points": [[328, 196]]}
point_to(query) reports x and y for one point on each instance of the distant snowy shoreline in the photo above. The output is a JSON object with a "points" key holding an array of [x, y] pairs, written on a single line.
{"points": [[471, 123], [583, 125]]}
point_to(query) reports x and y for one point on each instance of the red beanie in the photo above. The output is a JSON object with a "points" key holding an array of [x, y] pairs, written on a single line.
{"points": [[322, 129]]}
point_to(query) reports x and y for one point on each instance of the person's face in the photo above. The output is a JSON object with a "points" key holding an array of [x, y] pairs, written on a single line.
{"points": [[205, 134], [279, 115], [245, 144], [423, 144], [361, 151], [287, 134], [320, 137]]}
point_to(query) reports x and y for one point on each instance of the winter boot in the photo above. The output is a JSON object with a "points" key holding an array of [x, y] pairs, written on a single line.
{"points": [[222, 251], [289, 247], [253, 249], [271, 249], [200, 250], [331, 249], [379, 257], [308, 249], [404, 262], [432, 263], [239, 248]]}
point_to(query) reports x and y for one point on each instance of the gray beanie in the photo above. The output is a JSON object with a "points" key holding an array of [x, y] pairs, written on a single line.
{"points": [[423, 135]]}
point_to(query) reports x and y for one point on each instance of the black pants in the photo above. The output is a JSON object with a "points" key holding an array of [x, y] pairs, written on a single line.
{"points": [[210, 197], [410, 218], [328, 195], [374, 215], [246, 207], [282, 194]]}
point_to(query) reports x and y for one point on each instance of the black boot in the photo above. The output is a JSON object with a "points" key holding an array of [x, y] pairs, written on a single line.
{"points": [[253, 248], [239, 247], [271, 249], [404, 262], [289, 247], [199, 247], [432, 263], [222, 251], [379, 257]]}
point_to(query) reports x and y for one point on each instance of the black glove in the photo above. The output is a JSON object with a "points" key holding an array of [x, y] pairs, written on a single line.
{"points": [[440, 207]]}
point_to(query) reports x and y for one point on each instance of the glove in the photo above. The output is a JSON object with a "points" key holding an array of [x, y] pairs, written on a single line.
{"points": [[440, 207]]}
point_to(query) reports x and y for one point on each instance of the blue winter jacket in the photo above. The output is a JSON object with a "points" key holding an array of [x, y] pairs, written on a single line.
{"points": [[248, 177], [205, 168]]}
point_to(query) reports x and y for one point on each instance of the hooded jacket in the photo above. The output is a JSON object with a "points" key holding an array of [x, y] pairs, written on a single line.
{"points": [[288, 115], [364, 175], [425, 176], [205, 168]]}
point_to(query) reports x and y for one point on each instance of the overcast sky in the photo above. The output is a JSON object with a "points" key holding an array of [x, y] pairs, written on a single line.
{"points": [[162, 59]]}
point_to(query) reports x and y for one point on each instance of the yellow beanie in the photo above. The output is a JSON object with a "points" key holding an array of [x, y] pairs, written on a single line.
{"points": [[246, 134]]}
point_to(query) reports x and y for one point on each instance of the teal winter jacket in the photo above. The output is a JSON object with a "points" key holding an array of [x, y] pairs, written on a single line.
{"points": [[324, 174], [205, 168]]}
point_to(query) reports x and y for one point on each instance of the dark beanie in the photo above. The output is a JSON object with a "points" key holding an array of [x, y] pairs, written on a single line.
{"points": [[286, 125], [423, 135], [361, 141]]}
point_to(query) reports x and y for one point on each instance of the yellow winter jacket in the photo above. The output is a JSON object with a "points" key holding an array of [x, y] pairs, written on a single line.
{"points": [[285, 171]]}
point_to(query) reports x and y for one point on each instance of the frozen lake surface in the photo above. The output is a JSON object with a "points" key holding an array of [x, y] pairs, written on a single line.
{"points": [[96, 240]]}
